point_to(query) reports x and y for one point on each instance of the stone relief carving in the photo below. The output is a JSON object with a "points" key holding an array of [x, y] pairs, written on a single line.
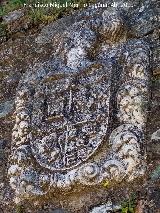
{"points": [[81, 104]]}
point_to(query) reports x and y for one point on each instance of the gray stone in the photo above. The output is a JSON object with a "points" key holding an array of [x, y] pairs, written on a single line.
{"points": [[104, 208], [156, 135], [145, 18], [115, 43], [6, 108], [13, 16], [156, 174], [67, 108]]}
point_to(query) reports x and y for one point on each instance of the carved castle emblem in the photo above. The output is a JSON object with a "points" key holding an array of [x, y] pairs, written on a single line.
{"points": [[80, 117]]}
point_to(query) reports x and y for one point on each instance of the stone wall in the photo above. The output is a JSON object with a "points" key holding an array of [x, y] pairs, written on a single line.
{"points": [[79, 112]]}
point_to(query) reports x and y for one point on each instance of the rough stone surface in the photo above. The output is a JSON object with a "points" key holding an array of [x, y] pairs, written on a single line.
{"points": [[67, 107], [82, 118], [13, 16], [107, 207], [6, 108]]}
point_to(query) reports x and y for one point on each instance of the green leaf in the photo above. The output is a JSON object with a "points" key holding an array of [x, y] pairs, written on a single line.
{"points": [[125, 210], [131, 210]]}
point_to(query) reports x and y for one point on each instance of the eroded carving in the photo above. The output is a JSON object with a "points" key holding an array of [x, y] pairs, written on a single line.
{"points": [[70, 118], [64, 115]]}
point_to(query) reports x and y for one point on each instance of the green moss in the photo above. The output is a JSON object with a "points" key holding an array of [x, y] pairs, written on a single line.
{"points": [[10, 6], [44, 15], [19, 209], [3, 28], [39, 15], [128, 206], [47, 14]]}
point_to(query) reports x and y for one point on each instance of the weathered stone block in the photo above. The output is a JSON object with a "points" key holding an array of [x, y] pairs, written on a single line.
{"points": [[81, 115]]}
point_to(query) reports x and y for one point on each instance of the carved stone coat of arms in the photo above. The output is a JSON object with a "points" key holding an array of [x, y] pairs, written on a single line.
{"points": [[80, 117]]}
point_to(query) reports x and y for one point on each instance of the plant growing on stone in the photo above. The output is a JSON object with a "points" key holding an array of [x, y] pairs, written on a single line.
{"points": [[128, 206], [10, 6], [19, 209], [37, 15]]}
